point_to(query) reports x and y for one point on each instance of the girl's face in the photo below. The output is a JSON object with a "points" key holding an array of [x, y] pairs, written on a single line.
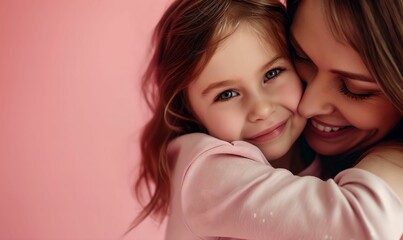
{"points": [[346, 107], [249, 91]]}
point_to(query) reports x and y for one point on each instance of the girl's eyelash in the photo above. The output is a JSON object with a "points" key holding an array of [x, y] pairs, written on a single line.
{"points": [[277, 71], [344, 90], [269, 75], [220, 98]]}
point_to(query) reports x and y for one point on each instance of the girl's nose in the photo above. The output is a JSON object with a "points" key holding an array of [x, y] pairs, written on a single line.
{"points": [[316, 99], [261, 109]]}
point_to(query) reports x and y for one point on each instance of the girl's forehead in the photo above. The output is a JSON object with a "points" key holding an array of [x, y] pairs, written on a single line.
{"points": [[262, 30]]}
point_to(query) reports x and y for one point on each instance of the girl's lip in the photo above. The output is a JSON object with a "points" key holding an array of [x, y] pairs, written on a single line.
{"points": [[269, 133]]}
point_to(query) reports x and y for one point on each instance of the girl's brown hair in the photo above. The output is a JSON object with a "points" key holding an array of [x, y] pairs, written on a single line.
{"points": [[183, 42]]}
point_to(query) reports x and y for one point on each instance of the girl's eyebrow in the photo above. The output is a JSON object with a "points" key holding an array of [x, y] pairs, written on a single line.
{"points": [[272, 62], [217, 85], [230, 82]]}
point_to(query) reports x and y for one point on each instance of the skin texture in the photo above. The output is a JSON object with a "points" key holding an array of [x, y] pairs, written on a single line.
{"points": [[247, 89], [340, 96]]}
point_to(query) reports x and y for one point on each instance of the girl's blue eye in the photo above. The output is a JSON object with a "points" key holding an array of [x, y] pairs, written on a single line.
{"points": [[226, 95], [272, 73]]}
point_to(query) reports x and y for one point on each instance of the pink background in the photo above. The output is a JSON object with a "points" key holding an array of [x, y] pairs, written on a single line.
{"points": [[70, 114]]}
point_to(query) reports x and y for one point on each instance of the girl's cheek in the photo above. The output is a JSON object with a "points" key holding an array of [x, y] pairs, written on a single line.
{"points": [[291, 94], [225, 127]]}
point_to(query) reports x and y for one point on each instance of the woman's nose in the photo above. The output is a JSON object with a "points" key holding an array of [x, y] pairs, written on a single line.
{"points": [[316, 99]]}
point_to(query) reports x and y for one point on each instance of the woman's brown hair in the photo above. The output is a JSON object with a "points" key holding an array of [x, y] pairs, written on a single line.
{"points": [[183, 42]]}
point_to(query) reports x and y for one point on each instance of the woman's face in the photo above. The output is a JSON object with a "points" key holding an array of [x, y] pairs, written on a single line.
{"points": [[346, 107]]}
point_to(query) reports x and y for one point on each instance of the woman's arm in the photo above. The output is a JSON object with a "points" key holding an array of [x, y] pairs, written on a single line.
{"points": [[231, 191]]}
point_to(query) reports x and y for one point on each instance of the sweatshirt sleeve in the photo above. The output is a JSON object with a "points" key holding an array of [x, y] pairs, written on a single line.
{"points": [[230, 190]]}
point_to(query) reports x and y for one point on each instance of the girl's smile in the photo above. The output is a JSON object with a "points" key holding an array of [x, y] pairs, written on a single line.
{"points": [[268, 135]]}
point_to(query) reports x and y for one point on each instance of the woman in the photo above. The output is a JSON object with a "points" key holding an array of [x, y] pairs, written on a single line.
{"points": [[349, 55]]}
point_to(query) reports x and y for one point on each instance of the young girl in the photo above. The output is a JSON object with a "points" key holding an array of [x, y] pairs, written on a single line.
{"points": [[222, 67]]}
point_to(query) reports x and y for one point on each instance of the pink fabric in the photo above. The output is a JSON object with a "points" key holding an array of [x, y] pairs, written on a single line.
{"points": [[230, 190]]}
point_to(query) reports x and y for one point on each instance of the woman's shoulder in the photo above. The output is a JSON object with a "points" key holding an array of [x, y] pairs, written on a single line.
{"points": [[386, 162]]}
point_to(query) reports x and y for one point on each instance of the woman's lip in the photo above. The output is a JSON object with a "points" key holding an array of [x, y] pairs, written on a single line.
{"points": [[269, 133], [327, 124], [326, 134]]}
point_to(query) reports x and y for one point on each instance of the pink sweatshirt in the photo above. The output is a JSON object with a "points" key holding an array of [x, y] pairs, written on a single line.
{"points": [[230, 190]]}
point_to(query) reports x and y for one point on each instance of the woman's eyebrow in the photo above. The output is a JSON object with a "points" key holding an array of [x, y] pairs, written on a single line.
{"points": [[353, 76]]}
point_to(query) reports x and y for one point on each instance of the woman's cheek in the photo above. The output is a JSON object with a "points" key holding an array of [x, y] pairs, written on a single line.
{"points": [[381, 117]]}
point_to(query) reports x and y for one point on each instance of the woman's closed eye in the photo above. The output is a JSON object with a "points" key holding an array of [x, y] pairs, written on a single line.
{"points": [[348, 93], [225, 96]]}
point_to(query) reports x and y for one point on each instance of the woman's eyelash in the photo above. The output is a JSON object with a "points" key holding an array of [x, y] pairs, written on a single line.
{"points": [[344, 90]]}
